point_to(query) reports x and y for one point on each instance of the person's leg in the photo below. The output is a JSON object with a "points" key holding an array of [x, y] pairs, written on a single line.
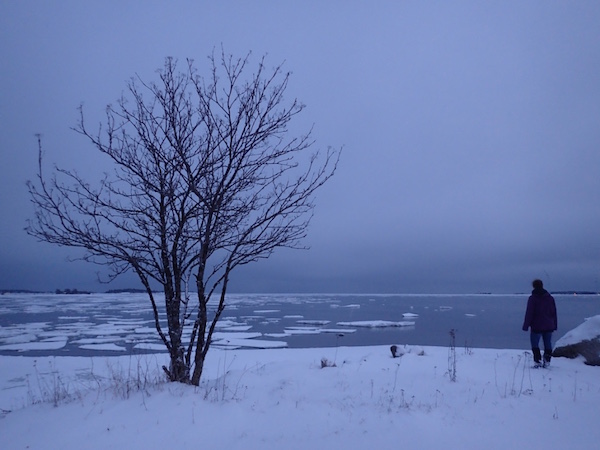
{"points": [[547, 336], [535, 346]]}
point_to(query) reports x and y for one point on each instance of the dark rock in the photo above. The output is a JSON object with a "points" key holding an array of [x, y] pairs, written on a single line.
{"points": [[589, 349], [583, 340]]}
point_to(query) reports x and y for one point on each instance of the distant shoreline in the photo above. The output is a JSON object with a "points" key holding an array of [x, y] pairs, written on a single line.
{"points": [[143, 291], [72, 291]]}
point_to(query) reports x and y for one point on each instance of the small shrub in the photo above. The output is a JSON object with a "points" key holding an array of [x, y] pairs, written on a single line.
{"points": [[452, 356], [326, 363]]}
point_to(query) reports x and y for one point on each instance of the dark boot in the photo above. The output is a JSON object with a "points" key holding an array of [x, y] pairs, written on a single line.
{"points": [[537, 355], [547, 357]]}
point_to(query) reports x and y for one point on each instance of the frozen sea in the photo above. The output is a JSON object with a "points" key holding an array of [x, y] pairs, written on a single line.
{"points": [[109, 324]]}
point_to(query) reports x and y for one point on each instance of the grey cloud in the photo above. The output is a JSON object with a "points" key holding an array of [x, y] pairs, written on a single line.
{"points": [[470, 132]]}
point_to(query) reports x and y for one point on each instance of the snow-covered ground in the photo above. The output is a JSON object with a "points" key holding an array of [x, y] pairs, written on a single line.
{"points": [[318, 398], [258, 394]]}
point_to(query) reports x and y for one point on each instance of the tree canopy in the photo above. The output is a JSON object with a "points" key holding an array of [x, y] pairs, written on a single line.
{"points": [[206, 178]]}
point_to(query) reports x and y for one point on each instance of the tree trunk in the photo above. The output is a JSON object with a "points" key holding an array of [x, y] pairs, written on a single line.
{"points": [[201, 341], [178, 369], [198, 368]]}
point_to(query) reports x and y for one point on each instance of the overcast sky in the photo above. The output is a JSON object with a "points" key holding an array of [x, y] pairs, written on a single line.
{"points": [[471, 132]]}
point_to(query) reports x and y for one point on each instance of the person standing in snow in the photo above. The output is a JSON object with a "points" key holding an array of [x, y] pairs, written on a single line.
{"points": [[541, 317]]}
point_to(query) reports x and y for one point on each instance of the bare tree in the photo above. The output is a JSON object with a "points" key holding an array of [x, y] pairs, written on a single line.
{"points": [[205, 179]]}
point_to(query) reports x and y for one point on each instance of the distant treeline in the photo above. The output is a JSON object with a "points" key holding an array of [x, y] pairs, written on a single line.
{"points": [[19, 291], [70, 291], [29, 291], [126, 291], [575, 293]]}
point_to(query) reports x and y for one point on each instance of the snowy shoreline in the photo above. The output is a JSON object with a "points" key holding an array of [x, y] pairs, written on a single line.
{"points": [[344, 397]]}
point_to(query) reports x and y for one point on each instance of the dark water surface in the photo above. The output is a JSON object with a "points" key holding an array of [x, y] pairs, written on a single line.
{"points": [[82, 325]]}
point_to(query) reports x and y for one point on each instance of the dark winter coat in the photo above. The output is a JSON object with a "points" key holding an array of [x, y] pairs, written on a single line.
{"points": [[541, 312]]}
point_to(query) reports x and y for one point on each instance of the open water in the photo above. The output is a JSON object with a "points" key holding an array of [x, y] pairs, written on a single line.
{"points": [[109, 324]]}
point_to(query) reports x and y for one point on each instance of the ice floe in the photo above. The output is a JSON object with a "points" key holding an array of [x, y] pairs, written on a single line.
{"points": [[302, 330], [376, 324], [42, 345], [313, 322], [234, 343], [103, 347], [218, 336], [236, 328], [337, 330]]}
